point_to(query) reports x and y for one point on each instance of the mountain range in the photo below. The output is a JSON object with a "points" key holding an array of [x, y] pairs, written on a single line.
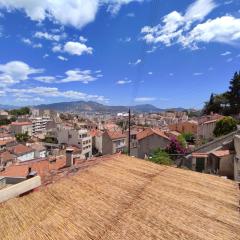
{"points": [[90, 106]]}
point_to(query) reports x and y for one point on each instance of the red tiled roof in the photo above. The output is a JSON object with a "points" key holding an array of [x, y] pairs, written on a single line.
{"points": [[221, 153], [7, 156], [199, 155], [150, 131], [116, 134], [42, 166], [20, 149], [21, 123]]}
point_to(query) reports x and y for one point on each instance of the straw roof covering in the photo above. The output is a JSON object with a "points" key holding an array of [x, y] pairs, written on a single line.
{"points": [[126, 198]]}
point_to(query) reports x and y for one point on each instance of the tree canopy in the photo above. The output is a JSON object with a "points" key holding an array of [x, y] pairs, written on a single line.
{"points": [[20, 111], [224, 126], [227, 103]]}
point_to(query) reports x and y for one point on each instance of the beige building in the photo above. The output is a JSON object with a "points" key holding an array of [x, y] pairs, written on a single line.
{"points": [[150, 140], [237, 158], [113, 142], [21, 127], [73, 137]]}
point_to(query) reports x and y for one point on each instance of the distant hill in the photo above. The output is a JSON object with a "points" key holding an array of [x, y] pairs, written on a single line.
{"points": [[90, 106], [7, 107]]}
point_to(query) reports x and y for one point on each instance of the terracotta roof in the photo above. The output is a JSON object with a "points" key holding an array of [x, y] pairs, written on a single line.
{"points": [[150, 131], [116, 135], [199, 155], [37, 147], [21, 123], [221, 153], [42, 166], [7, 156], [95, 133], [20, 149]]}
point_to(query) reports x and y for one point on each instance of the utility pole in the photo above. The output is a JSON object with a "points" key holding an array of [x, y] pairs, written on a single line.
{"points": [[129, 131]]}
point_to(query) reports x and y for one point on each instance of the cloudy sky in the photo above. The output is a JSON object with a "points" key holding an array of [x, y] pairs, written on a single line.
{"points": [[165, 52]]}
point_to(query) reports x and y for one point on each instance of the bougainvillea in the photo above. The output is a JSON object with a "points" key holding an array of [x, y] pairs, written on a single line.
{"points": [[175, 147]]}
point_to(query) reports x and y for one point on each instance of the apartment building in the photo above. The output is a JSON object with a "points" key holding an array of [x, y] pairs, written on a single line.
{"points": [[39, 124], [21, 127], [73, 137]]}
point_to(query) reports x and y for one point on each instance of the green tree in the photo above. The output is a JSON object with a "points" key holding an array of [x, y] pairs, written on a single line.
{"points": [[188, 137], [234, 94], [22, 137], [224, 126], [160, 157], [217, 104], [20, 111]]}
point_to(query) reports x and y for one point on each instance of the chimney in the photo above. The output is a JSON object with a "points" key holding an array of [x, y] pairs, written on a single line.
{"points": [[69, 157]]}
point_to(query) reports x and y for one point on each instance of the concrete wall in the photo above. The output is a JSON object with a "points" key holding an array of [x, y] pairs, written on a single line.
{"points": [[151, 143], [205, 131], [226, 166], [107, 145], [237, 158], [20, 188]]}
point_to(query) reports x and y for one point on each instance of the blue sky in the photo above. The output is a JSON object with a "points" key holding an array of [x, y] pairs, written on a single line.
{"points": [[119, 52]]}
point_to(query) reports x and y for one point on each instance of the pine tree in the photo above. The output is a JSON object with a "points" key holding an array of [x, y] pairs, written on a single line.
{"points": [[234, 94]]}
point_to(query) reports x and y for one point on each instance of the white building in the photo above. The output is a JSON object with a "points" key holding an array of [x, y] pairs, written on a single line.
{"points": [[39, 124], [73, 137], [22, 152]]}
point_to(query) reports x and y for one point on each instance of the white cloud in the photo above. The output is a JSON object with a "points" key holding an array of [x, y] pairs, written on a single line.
{"points": [[115, 5], [26, 41], [229, 60], [171, 74], [53, 92], [197, 74], [77, 48], [150, 73], [57, 48], [144, 99], [30, 43], [49, 36], [123, 82], [135, 63], [37, 45], [46, 79], [77, 75], [76, 13], [224, 29], [190, 29], [62, 58], [16, 71], [131, 15], [226, 53], [46, 55], [82, 39]]}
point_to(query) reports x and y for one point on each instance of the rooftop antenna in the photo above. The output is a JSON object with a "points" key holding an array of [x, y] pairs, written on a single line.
{"points": [[129, 130]]}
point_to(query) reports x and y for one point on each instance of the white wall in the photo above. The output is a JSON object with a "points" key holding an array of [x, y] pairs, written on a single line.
{"points": [[26, 157]]}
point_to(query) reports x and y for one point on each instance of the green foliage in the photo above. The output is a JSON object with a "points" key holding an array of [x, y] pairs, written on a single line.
{"points": [[161, 157], [217, 104], [49, 139], [20, 111], [234, 94], [6, 121], [227, 103], [182, 141], [225, 126], [22, 137], [188, 137]]}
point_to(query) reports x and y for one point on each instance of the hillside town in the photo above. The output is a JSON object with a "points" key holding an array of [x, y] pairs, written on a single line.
{"points": [[37, 136], [119, 120]]}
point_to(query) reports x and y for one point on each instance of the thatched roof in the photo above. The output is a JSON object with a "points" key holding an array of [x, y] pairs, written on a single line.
{"points": [[125, 198]]}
